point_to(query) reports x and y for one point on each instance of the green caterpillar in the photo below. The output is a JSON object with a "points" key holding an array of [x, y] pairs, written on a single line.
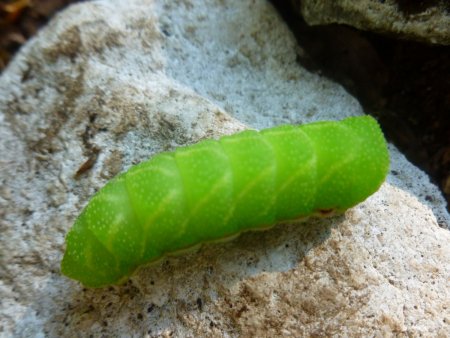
{"points": [[216, 189]]}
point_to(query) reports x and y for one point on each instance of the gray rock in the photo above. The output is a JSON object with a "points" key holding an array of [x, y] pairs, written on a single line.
{"points": [[427, 21], [106, 85]]}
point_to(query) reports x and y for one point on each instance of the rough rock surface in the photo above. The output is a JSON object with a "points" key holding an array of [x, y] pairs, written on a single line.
{"points": [[108, 84], [427, 21]]}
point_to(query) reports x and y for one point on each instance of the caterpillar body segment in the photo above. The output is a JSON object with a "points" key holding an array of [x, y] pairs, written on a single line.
{"points": [[218, 188]]}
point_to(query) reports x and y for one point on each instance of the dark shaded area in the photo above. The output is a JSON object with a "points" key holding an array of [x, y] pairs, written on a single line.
{"points": [[411, 7], [20, 20], [405, 84]]}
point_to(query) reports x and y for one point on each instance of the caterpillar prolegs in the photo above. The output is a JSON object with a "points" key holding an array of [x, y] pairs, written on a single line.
{"points": [[217, 188]]}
